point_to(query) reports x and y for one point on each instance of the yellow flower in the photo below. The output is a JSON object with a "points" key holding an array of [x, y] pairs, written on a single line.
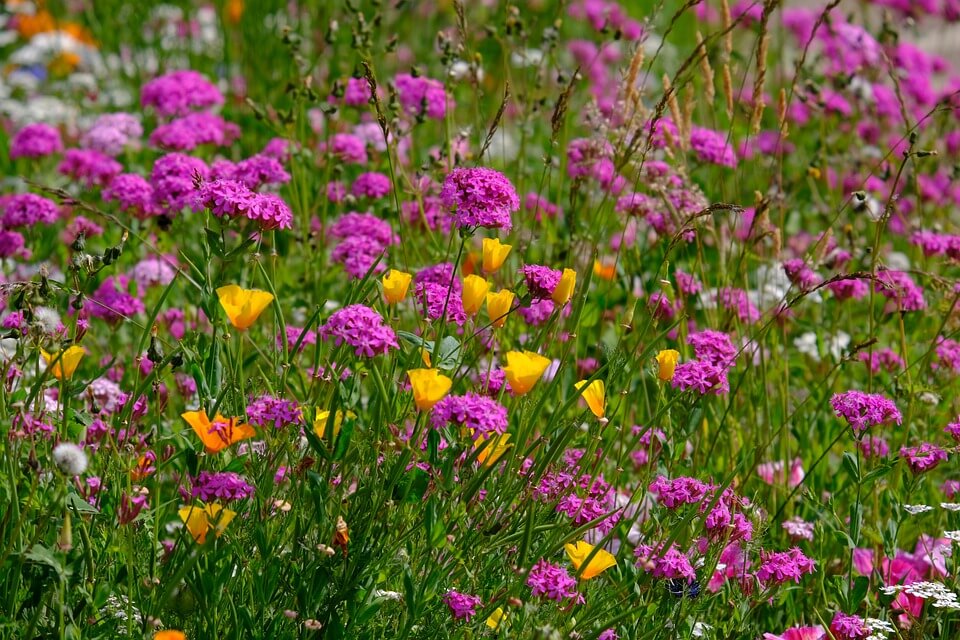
{"points": [[474, 291], [219, 433], [594, 395], [243, 306], [63, 363], [429, 387], [667, 359], [395, 285], [524, 369], [489, 454], [169, 634], [494, 253], [498, 306], [496, 618], [564, 291], [600, 562], [323, 416], [200, 519], [604, 271]]}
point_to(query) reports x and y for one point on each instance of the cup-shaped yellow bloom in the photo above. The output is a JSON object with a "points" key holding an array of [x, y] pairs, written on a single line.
{"points": [[323, 417], [201, 518], [667, 359], [395, 285], [243, 306], [595, 396], [494, 253], [63, 363], [475, 289], [219, 433], [498, 306], [604, 271], [600, 562], [495, 618], [490, 453], [429, 386], [564, 291], [523, 370]]}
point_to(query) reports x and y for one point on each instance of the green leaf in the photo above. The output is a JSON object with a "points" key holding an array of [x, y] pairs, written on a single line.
{"points": [[448, 354], [41, 555], [80, 505]]}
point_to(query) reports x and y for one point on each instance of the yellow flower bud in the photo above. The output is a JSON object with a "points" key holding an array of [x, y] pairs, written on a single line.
{"points": [[524, 369], [395, 285], [63, 363], [494, 254], [498, 306], [595, 397], [474, 291], [429, 386], [600, 562], [564, 290], [667, 359]]}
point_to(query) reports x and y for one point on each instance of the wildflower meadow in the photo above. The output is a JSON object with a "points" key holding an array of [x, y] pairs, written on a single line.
{"points": [[535, 319]]}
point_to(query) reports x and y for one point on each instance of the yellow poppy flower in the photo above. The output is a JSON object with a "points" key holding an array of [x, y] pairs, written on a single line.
{"points": [[474, 292], [395, 285], [667, 359], [429, 387], [524, 369], [64, 363], [498, 306], [200, 519], [496, 618], [219, 433], [594, 396], [323, 416], [564, 291], [491, 453], [600, 562], [494, 254], [243, 306]]}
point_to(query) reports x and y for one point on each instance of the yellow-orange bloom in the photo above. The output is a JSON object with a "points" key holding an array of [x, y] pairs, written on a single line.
{"points": [[498, 306], [600, 562], [667, 359], [429, 386], [234, 11], [201, 518], [64, 363], [395, 285], [595, 396], [243, 306], [604, 271], [496, 618], [323, 417], [494, 254], [564, 291], [169, 634], [219, 433], [475, 289], [490, 453], [524, 369]]}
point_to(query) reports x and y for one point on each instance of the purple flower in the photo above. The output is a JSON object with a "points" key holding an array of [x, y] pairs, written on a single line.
{"points": [[479, 197], [154, 271], [363, 224], [113, 302], [482, 415], [901, 289], [874, 447], [93, 167], [260, 170], [358, 254], [293, 337], [27, 210], [11, 244], [434, 298], [714, 347], [462, 605], [133, 192], [702, 376], [948, 354], [35, 141], [798, 529], [712, 146], [221, 486], [679, 491], [112, 132], [276, 412], [362, 328], [191, 131], [541, 281], [924, 457], [738, 300], [552, 581], [347, 148], [847, 627], [357, 92], [173, 177], [671, 564], [371, 185], [178, 93], [780, 566], [421, 96], [864, 410]]}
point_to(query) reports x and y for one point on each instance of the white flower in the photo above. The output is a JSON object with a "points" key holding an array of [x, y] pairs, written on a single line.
{"points": [[8, 348], [388, 595], [70, 458], [952, 535], [950, 506], [914, 509], [46, 319]]}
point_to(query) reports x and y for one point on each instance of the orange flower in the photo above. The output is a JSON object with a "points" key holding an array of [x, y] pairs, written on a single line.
{"points": [[30, 25], [600, 562], [604, 271], [490, 453], [169, 634], [219, 433], [199, 519]]}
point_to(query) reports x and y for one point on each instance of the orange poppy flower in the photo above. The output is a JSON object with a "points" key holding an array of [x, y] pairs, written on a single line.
{"points": [[219, 433]]}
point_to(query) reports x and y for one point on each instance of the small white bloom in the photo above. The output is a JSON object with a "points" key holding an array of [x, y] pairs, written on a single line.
{"points": [[46, 319], [952, 535], [950, 506], [70, 458], [914, 509], [388, 595]]}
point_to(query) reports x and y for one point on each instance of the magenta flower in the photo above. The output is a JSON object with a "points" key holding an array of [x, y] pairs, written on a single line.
{"points": [[479, 197], [671, 564], [552, 581], [863, 410], [482, 415], [35, 141], [178, 93], [463, 606], [847, 627], [924, 457], [362, 328], [421, 96], [220, 486], [27, 210], [781, 566]]}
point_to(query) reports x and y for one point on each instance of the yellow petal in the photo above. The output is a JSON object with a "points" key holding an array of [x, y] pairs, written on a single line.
{"points": [[243, 306], [595, 397], [600, 562], [429, 387], [524, 369], [564, 291], [498, 306], [473, 294], [496, 618], [395, 285], [667, 361], [494, 254]]}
